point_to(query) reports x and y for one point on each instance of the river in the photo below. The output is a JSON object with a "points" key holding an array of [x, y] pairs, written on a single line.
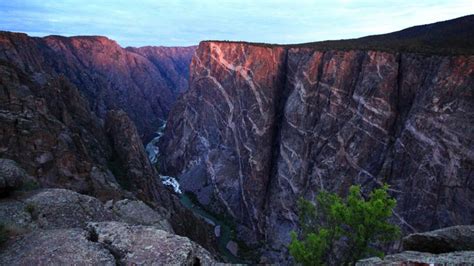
{"points": [[225, 230]]}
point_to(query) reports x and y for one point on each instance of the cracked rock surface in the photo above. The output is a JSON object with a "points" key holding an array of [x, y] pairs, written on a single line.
{"points": [[59, 226]]}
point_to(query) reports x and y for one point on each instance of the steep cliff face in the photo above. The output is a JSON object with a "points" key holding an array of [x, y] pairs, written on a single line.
{"points": [[222, 130], [262, 126], [372, 117], [109, 76], [46, 127]]}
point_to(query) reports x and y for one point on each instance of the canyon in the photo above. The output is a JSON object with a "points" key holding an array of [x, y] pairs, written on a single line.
{"points": [[246, 129], [144, 82]]}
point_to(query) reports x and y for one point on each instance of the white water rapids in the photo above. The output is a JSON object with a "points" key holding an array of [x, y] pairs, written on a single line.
{"points": [[153, 153]]}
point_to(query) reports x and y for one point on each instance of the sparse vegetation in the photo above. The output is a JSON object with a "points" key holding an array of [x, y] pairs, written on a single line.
{"points": [[357, 222], [31, 208], [3, 234], [118, 170], [29, 185]]}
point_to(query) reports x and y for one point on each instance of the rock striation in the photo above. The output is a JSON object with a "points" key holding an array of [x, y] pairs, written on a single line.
{"points": [[263, 125]]}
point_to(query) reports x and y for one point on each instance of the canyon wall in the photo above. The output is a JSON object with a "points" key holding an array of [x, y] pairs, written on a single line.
{"points": [[144, 82], [219, 136], [264, 125]]}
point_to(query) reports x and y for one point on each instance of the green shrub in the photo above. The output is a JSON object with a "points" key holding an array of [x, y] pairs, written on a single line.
{"points": [[360, 223], [31, 208], [29, 185]]}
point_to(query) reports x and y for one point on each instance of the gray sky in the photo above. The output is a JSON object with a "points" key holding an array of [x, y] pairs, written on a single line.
{"points": [[180, 22]]}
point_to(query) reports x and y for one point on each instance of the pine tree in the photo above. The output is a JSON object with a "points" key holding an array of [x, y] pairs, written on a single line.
{"points": [[361, 223]]}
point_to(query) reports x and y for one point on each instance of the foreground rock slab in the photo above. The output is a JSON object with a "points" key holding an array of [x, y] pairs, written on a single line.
{"points": [[55, 247], [417, 258], [147, 245], [137, 212], [449, 239]]}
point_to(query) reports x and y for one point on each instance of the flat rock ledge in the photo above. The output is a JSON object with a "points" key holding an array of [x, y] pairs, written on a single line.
{"points": [[422, 258], [446, 246], [449, 239]]}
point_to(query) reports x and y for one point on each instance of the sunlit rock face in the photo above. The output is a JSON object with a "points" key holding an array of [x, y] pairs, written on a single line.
{"points": [[262, 126], [144, 82], [219, 138]]}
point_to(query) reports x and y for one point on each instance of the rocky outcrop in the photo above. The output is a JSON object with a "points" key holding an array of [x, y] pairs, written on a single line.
{"points": [[137, 212], [109, 76], [109, 243], [450, 239], [52, 209], [146, 245], [263, 125], [132, 166], [47, 128], [61, 208], [58, 226]]}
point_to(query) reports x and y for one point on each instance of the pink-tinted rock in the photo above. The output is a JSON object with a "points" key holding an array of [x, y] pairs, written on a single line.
{"points": [[107, 75], [262, 126]]}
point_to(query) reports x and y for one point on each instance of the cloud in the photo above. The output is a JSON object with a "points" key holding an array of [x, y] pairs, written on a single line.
{"points": [[186, 22]]}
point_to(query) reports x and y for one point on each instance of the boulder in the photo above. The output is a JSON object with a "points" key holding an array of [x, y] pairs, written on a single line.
{"points": [[61, 208], [137, 212], [55, 247], [449, 239], [232, 247], [147, 245], [12, 175]]}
